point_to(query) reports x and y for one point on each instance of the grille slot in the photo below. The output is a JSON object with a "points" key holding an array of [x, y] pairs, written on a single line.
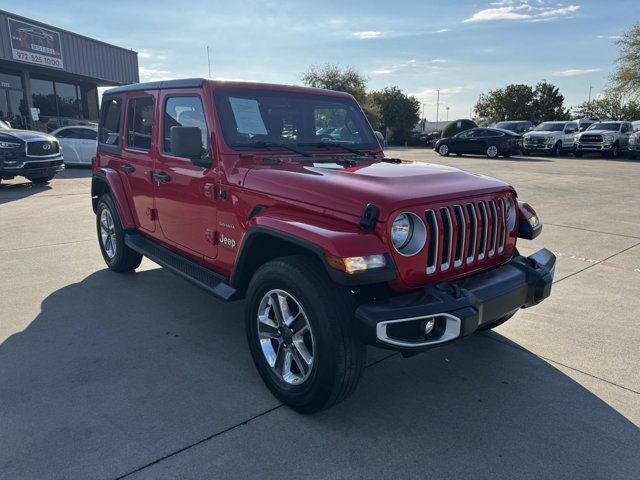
{"points": [[460, 235], [447, 234], [432, 251], [465, 234]]}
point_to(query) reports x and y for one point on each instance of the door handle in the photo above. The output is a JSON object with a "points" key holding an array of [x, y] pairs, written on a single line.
{"points": [[161, 177], [129, 168]]}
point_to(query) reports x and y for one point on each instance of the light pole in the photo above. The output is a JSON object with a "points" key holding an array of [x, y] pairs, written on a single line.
{"points": [[590, 88], [447, 109], [424, 121], [438, 109]]}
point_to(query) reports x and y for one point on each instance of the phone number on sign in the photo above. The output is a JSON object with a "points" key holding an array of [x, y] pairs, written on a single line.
{"points": [[35, 58]]}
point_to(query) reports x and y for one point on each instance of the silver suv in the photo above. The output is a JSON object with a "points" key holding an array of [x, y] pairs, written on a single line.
{"points": [[550, 137], [608, 138]]}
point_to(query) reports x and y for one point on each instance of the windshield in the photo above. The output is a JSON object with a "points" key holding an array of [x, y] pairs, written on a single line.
{"points": [[550, 127], [613, 127], [255, 116]]}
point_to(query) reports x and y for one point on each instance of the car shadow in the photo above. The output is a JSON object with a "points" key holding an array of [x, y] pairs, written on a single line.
{"points": [[20, 187], [117, 371]]}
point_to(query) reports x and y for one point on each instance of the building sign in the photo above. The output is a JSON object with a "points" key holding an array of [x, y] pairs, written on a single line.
{"points": [[33, 44]]}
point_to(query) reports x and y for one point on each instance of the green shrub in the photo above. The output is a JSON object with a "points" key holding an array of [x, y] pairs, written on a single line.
{"points": [[457, 126]]}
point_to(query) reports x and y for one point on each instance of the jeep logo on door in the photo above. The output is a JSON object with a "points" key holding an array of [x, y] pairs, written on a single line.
{"points": [[230, 242], [35, 44]]}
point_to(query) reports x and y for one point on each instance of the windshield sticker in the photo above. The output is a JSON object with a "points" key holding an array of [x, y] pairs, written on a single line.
{"points": [[247, 114]]}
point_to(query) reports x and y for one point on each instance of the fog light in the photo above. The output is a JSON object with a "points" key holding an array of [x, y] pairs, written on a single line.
{"points": [[428, 326]]}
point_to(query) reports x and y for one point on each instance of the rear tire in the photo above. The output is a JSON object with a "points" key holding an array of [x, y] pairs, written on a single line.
{"points": [[337, 357], [40, 180], [118, 256]]}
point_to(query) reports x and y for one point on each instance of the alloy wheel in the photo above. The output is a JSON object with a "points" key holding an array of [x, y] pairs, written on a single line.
{"points": [[492, 151], [108, 233], [443, 150], [285, 337]]}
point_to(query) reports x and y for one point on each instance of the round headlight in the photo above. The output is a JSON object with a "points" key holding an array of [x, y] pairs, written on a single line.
{"points": [[511, 214], [408, 233]]}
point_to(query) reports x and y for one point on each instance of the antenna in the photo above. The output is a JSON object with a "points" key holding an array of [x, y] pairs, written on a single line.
{"points": [[209, 60]]}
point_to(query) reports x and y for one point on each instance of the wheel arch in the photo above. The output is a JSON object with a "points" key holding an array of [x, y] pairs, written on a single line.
{"points": [[108, 181], [262, 244]]}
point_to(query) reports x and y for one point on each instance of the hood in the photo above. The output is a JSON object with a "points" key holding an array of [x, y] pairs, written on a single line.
{"points": [[542, 133], [598, 132], [26, 135], [350, 189]]}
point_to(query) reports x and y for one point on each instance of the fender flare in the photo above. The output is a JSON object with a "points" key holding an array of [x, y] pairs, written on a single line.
{"points": [[284, 232], [108, 180]]}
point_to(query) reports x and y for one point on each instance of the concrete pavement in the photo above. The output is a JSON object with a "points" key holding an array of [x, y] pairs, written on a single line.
{"points": [[144, 376]]}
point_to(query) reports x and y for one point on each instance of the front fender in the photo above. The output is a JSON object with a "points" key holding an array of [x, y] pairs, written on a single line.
{"points": [[294, 231]]}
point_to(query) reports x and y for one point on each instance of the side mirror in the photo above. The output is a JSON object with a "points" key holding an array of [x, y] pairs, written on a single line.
{"points": [[187, 142], [380, 138]]}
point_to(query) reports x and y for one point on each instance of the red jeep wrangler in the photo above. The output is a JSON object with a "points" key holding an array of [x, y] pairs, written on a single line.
{"points": [[282, 196]]}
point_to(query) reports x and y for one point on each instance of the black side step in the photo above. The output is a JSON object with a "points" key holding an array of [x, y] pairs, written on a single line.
{"points": [[208, 280]]}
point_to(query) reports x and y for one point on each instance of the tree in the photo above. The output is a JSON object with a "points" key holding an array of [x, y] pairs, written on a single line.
{"points": [[610, 106], [334, 77], [522, 102], [626, 79], [548, 103], [399, 112]]}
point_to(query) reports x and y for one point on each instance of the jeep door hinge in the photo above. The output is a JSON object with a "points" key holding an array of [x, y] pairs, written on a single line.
{"points": [[152, 213], [210, 191]]}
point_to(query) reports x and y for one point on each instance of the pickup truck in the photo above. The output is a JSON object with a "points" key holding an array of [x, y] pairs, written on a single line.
{"points": [[550, 137], [607, 138]]}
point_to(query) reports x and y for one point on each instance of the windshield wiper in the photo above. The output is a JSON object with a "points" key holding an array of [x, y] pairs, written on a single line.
{"points": [[272, 145], [333, 144]]}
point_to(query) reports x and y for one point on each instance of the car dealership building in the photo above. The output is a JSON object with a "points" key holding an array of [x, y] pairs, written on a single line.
{"points": [[49, 77]]}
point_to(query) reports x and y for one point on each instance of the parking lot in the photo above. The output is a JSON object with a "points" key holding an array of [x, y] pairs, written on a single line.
{"points": [[144, 376]]}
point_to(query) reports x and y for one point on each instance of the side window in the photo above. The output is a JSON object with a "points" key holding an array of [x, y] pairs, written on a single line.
{"points": [[468, 134], [88, 134], [570, 128], [110, 125], [139, 122], [184, 112]]}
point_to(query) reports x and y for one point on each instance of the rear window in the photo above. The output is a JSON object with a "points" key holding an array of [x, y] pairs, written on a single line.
{"points": [[110, 124]]}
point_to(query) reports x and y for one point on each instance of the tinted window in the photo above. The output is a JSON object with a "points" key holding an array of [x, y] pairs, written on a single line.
{"points": [[70, 133], [110, 125], [184, 112], [139, 122], [571, 128], [88, 134]]}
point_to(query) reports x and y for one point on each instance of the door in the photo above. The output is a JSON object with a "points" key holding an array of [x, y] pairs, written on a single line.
{"points": [[71, 143], [626, 129], [136, 160], [461, 142], [89, 144], [185, 193], [568, 138]]}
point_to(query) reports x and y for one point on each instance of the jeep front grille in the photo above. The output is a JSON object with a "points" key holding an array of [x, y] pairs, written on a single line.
{"points": [[465, 233]]}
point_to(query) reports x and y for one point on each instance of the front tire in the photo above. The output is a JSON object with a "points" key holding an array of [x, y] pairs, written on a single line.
{"points": [[300, 333], [492, 151], [577, 154], [118, 256], [615, 151], [557, 149], [41, 180], [443, 150]]}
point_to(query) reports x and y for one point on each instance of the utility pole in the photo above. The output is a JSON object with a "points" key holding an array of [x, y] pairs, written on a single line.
{"points": [[209, 61], [590, 88], [447, 108], [424, 122], [438, 109]]}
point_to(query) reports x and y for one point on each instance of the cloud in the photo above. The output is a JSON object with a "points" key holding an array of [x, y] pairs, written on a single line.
{"points": [[366, 35], [148, 74], [574, 72], [522, 10], [394, 68], [438, 60], [609, 37], [429, 95]]}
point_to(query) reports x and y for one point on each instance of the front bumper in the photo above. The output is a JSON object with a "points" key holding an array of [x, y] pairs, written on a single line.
{"points": [[27, 167], [457, 308]]}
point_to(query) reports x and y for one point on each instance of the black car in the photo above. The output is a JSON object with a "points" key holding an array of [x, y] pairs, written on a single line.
{"points": [[491, 142], [25, 153]]}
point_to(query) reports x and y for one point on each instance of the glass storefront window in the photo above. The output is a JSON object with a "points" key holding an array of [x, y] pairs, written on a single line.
{"points": [[10, 81], [44, 97], [68, 100]]}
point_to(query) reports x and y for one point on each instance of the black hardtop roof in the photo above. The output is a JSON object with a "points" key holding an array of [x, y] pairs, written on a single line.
{"points": [[134, 87]]}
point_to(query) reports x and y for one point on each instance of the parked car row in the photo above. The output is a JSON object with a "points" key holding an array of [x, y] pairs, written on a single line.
{"points": [[606, 138]]}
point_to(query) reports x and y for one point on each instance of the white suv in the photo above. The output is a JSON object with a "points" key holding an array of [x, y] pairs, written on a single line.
{"points": [[607, 138], [550, 137]]}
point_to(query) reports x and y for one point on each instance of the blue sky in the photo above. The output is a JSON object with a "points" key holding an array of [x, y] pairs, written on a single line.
{"points": [[461, 47]]}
